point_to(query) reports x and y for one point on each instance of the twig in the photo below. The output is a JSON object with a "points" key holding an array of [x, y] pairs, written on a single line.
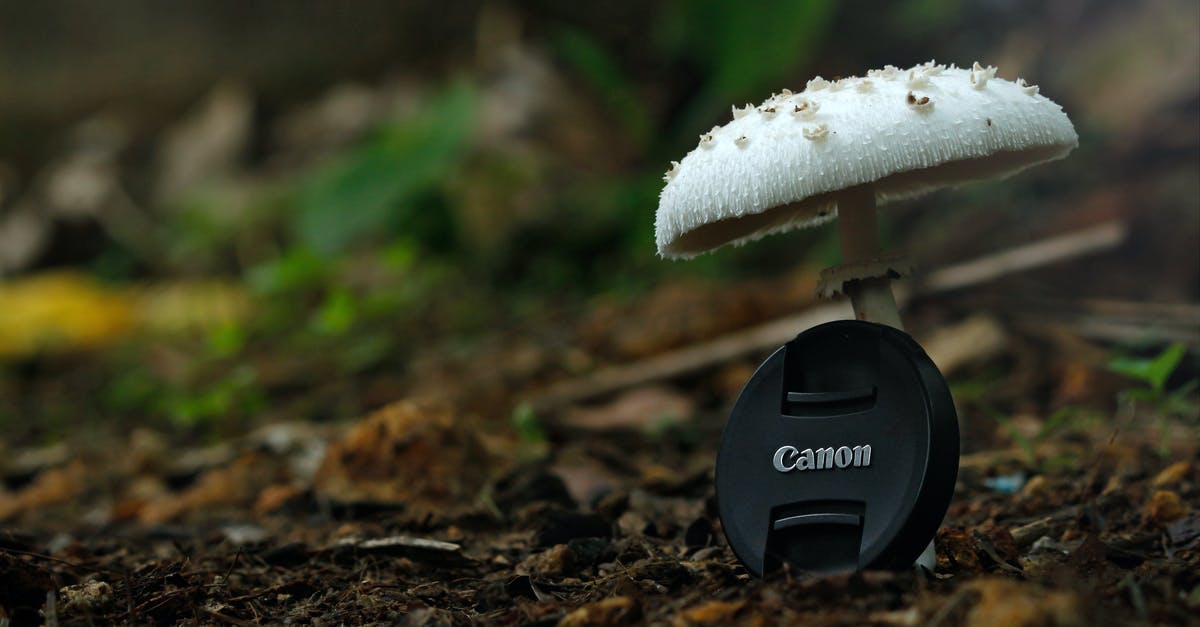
{"points": [[129, 609], [688, 360], [1119, 321], [1092, 239], [1028, 533], [771, 334], [51, 558], [227, 618], [984, 543]]}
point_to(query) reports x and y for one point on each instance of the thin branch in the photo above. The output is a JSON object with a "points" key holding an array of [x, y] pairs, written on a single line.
{"points": [[769, 335]]}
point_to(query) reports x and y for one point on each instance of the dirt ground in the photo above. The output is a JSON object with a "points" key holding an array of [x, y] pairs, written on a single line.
{"points": [[419, 514]]}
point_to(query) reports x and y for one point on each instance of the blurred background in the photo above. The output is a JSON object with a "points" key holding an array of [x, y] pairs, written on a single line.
{"points": [[216, 215]]}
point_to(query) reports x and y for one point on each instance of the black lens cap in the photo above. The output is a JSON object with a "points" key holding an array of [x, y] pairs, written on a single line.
{"points": [[841, 453]]}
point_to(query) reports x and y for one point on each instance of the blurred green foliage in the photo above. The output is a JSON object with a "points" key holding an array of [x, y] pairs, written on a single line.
{"points": [[1154, 371], [1154, 374], [743, 50], [376, 188], [596, 67], [370, 250], [358, 259], [1070, 419]]}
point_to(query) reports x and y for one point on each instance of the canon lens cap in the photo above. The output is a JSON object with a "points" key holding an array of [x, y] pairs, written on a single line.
{"points": [[841, 453]]}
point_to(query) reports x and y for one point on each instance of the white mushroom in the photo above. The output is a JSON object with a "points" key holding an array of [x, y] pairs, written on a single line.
{"points": [[890, 143]]}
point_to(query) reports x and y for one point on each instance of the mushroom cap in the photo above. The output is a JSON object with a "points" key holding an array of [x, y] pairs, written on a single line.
{"points": [[778, 166]]}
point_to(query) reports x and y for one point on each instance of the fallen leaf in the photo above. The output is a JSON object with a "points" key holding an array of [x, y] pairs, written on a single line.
{"points": [[274, 497], [711, 613], [1173, 474], [611, 612], [60, 311], [235, 484], [956, 551], [1164, 506], [1005, 603], [52, 487], [405, 453]]}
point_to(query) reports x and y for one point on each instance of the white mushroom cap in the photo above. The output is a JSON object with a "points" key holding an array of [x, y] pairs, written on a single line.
{"points": [[909, 132]]}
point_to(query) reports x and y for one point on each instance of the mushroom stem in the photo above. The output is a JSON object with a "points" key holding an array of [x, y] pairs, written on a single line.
{"points": [[871, 298]]}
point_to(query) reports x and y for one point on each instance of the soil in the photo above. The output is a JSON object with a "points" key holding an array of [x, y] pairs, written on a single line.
{"points": [[417, 516]]}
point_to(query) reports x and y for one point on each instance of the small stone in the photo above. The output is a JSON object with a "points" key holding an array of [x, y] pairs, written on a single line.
{"points": [[569, 559], [428, 617], [85, 597], [1036, 486], [632, 524], [552, 562]]}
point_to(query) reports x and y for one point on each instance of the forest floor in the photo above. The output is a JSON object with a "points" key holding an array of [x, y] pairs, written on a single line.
{"points": [[423, 513]]}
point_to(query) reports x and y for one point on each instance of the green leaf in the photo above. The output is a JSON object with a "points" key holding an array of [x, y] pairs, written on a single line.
{"points": [[227, 339], [1153, 372], [525, 423], [375, 186], [743, 49], [337, 313], [753, 42], [595, 65], [298, 269]]}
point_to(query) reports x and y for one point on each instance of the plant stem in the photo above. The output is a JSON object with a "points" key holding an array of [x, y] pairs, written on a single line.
{"points": [[871, 298]]}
